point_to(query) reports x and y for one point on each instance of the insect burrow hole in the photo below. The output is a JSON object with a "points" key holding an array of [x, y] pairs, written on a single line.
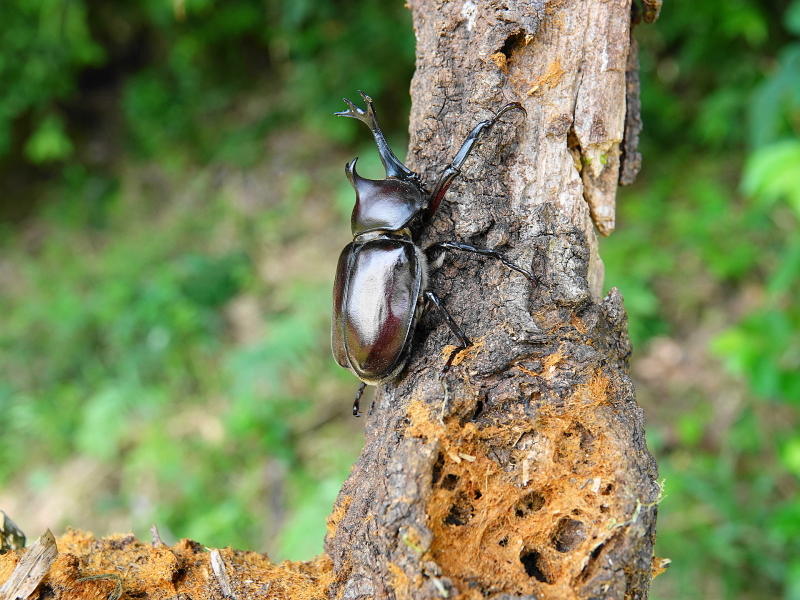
{"points": [[534, 565], [528, 504]]}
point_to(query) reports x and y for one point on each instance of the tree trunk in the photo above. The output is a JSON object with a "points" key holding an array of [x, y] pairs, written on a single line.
{"points": [[527, 474]]}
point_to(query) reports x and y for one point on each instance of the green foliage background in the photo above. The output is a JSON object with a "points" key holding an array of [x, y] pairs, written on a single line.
{"points": [[172, 204]]}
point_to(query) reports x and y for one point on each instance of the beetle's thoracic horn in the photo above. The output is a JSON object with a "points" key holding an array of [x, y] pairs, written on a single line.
{"points": [[350, 171], [356, 180]]}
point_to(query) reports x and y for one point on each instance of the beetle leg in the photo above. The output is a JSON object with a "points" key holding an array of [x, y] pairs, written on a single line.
{"points": [[393, 166], [454, 168], [433, 248], [356, 410], [462, 338]]}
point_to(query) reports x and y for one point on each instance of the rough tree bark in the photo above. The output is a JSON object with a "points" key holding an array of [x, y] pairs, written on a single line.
{"points": [[533, 479]]}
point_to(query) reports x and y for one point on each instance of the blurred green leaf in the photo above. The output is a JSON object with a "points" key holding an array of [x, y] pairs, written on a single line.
{"points": [[49, 142], [691, 428], [775, 108], [792, 18], [793, 581], [212, 281], [765, 349], [773, 173], [791, 455], [105, 422], [300, 538]]}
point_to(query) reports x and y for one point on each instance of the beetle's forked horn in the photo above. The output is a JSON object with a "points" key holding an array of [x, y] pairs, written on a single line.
{"points": [[393, 166]]}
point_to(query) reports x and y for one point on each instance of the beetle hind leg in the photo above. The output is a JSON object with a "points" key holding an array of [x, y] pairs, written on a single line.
{"points": [[463, 340], [356, 403]]}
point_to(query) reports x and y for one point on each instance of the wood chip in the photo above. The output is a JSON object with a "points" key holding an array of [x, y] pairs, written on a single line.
{"points": [[660, 565], [30, 571], [218, 566], [157, 543]]}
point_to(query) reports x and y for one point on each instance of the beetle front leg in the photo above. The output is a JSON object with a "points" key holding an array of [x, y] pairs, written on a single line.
{"points": [[462, 338], [434, 249], [454, 168]]}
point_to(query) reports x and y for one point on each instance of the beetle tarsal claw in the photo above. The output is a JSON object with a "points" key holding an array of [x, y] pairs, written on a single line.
{"points": [[511, 106], [366, 98], [352, 111], [367, 116]]}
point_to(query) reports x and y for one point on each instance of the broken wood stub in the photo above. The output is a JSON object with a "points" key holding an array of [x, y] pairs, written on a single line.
{"points": [[527, 474]]}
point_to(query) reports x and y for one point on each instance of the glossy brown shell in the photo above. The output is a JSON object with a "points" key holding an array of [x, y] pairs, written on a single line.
{"points": [[374, 304]]}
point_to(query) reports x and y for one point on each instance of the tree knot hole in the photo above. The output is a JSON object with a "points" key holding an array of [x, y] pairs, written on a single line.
{"points": [[478, 410]]}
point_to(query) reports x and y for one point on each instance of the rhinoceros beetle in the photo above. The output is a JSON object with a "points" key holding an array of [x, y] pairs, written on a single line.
{"points": [[381, 287]]}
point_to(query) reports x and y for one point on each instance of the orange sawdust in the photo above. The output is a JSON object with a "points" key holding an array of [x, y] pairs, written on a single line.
{"points": [[525, 370], [551, 362], [155, 571], [8, 563], [533, 518], [579, 324], [336, 516], [597, 388], [401, 583], [660, 566], [501, 60], [420, 426], [549, 79], [468, 353]]}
